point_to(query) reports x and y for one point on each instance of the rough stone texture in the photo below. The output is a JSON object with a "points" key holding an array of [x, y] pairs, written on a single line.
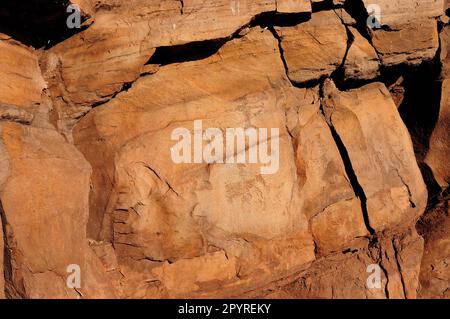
{"points": [[410, 30], [329, 200], [124, 37], [314, 49], [411, 44], [2, 263], [390, 178], [87, 177], [361, 62], [435, 270], [293, 6], [19, 71], [439, 152], [15, 114], [191, 199], [50, 236], [402, 12]]}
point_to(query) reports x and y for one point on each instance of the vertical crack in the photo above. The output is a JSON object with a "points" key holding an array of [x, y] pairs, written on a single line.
{"points": [[182, 7], [353, 179], [7, 266], [281, 51], [338, 75], [357, 10], [357, 188], [412, 204], [402, 280]]}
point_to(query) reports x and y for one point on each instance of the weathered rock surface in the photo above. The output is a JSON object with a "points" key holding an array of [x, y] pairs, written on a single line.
{"points": [[402, 12], [187, 202], [435, 270], [439, 151], [47, 239], [90, 124], [293, 6], [411, 44], [389, 178], [314, 49], [409, 34], [20, 73], [362, 61], [124, 37], [2, 263], [329, 201]]}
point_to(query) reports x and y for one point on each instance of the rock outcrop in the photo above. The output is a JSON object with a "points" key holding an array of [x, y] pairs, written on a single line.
{"points": [[180, 149]]}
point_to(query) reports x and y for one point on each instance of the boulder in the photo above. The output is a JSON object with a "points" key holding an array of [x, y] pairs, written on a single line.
{"points": [[390, 179], [45, 225], [313, 49], [439, 149]]}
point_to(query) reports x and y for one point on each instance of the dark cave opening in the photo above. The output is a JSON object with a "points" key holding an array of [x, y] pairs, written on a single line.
{"points": [[200, 50], [420, 111], [417, 91], [357, 10], [186, 52], [37, 23], [324, 5]]}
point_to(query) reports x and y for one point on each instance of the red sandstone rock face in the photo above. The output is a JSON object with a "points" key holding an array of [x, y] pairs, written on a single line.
{"points": [[88, 179]]}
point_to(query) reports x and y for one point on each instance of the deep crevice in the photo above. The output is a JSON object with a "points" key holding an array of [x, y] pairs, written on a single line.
{"points": [[275, 19], [125, 87], [324, 6], [280, 50], [200, 50], [186, 52], [357, 188], [7, 265], [351, 174], [338, 75], [357, 10], [421, 104]]}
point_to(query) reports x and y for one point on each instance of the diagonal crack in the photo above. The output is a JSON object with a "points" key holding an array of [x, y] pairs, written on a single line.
{"points": [[353, 178], [402, 280], [165, 181], [413, 205]]}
